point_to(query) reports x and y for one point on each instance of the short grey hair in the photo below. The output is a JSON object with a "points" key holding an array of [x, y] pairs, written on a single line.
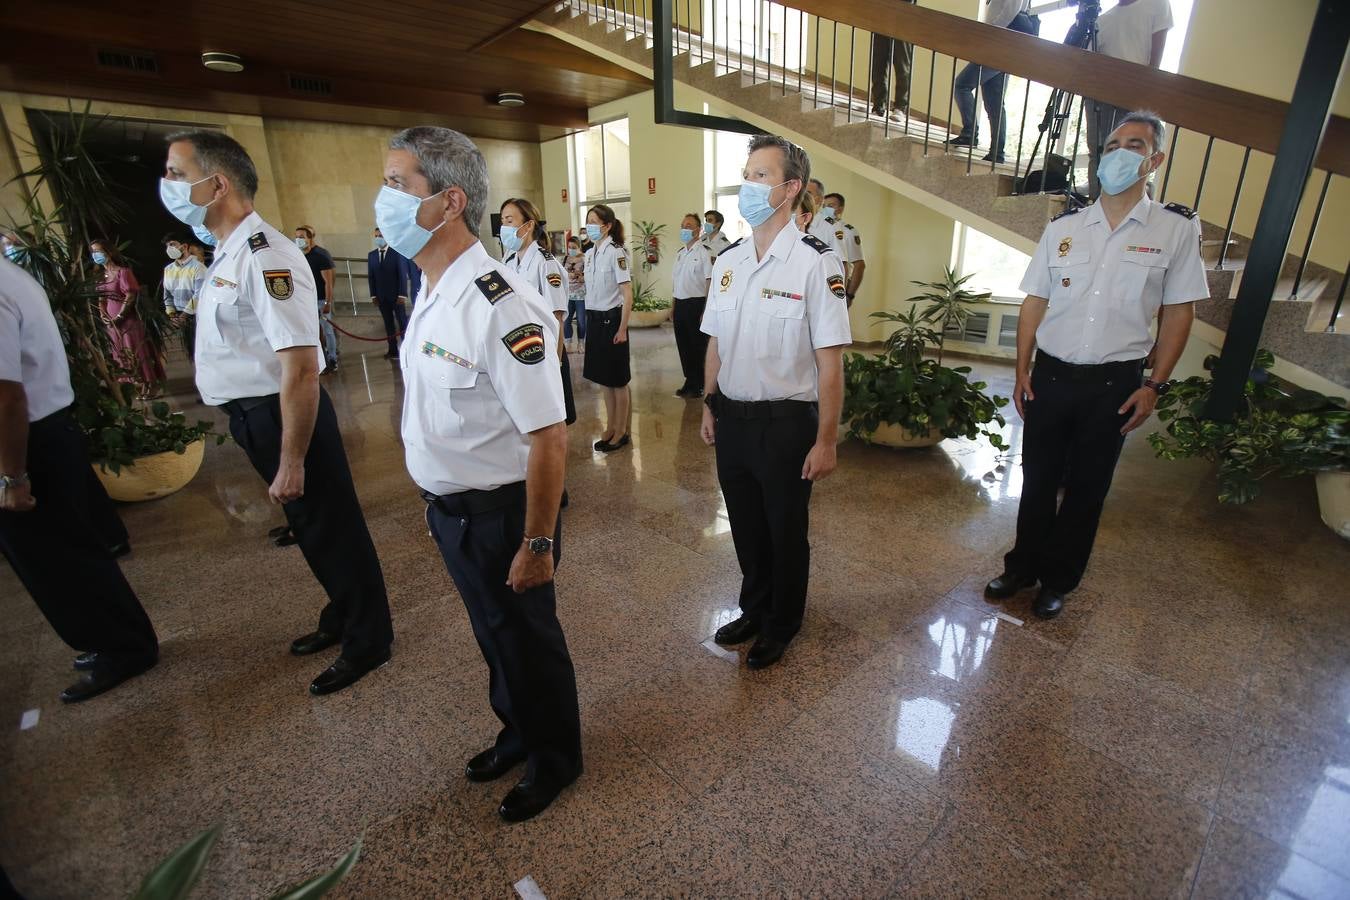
{"points": [[796, 164], [219, 154], [448, 159], [1152, 120]]}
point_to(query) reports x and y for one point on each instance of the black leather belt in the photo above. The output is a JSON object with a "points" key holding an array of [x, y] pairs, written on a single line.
{"points": [[1057, 366], [474, 503], [759, 409], [243, 404]]}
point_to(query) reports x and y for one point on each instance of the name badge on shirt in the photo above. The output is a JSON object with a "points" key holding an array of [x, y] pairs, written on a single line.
{"points": [[770, 293], [431, 349]]}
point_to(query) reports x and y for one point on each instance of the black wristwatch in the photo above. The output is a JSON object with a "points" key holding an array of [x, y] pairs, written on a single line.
{"points": [[1160, 387], [539, 545]]}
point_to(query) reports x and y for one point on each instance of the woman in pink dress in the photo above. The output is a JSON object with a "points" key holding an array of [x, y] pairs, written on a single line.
{"points": [[136, 360]]}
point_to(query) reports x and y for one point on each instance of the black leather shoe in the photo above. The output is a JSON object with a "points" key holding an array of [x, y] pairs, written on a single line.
{"points": [[104, 678], [990, 157], [86, 661], [961, 140], [287, 539], [314, 642], [490, 765], [529, 798], [611, 446], [1049, 603], [765, 652], [120, 550], [344, 673], [1007, 584], [278, 531], [737, 631]]}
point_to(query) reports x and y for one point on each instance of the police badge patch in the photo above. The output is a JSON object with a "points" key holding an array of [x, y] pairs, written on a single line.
{"points": [[279, 283], [526, 343], [554, 279], [623, 263], [726, 281], [836, 284]]}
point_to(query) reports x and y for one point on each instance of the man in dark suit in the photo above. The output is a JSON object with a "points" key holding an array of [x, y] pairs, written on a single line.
{"points": [[386, 273], [412, 276]]}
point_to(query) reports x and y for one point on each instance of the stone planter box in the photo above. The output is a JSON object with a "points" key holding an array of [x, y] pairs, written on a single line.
{"points": [[1333, 501], [648, 318], [895, 436], [157, 475]]}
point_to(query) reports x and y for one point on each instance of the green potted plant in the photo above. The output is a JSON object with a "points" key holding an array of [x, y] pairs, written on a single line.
{"points": [[647, 244], [900, 398], [1275, 433], [130, 444], [649, 309]]}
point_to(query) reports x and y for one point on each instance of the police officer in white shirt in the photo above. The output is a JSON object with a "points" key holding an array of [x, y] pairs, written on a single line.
{"points": [[49, 496], [824, 226], [609, 303], [775, 379], [713, 237], [691, 274], [525, 241], [485, 441], [834, 208], [258, 358], [1098, 278]]}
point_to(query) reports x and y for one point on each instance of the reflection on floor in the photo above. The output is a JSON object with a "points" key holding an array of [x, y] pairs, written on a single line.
{"points": [[1182, 730]]}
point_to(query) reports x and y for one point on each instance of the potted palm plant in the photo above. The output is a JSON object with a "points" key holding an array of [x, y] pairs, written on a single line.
{"points": [[1276, 433], [901, 398], [138, 451], [649, 309], [647, 244]]}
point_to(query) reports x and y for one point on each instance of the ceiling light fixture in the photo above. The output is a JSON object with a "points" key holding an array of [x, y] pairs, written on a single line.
{"points": [[510, 99], [222, 62]]}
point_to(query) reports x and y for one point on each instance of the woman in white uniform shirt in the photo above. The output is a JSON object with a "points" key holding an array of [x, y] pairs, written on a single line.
{"points": [[690, 276], [526, 244], [609, 301]]}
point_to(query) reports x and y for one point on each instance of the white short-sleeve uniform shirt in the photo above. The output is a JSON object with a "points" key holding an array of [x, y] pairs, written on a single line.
{"points": [[607, 267], [31, 351], [1104, 287], [771, 315], [717, 242], [541, 271], [853, 252], [690, 274], [258, 298], [480, 372], [1126, 32], [830, 232]]}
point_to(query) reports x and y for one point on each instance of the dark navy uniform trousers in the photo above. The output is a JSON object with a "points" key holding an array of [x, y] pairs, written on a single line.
{"points": [[1071, 438], [60, 550], [328, 523], [532, 684], [761, 448]]}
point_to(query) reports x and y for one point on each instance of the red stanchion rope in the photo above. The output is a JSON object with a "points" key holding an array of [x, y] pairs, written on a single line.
{"points": [[341, 330]]}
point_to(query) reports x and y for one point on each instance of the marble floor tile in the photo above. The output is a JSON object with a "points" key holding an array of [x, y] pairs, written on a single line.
{"points": [[1063, 630], [1241, 865]]}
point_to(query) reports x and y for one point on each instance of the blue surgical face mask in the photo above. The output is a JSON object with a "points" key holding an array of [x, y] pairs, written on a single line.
{"points": [[686, 235], [396, 215], [754, 202], [99, 257], [708, 228], [1119, 169], [510, 240], [593, 232], [177, 199], [206, 237], [380, 243], [573, 251], [301, 243]]}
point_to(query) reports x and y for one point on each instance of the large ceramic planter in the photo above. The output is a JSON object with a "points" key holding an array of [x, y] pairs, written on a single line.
{"points": [[157, 475], [897, 436], [1333, 500], [648, 318]]}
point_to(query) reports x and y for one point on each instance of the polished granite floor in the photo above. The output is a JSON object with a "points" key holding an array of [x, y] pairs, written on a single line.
{"points": [[1182, 730]]}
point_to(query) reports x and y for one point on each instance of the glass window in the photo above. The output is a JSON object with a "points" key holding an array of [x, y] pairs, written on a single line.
{"points": [[997, 267], [616, 158], [600, 155]]}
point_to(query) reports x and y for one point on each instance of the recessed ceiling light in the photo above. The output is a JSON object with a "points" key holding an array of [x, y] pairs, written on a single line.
{"points": [[222, 62], [510, 98]]}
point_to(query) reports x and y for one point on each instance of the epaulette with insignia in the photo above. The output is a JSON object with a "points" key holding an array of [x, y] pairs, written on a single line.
{"points": [[1180, 210], [735, 243], [815, 243], [1068, 212], [547, 254], [493, 286], [257, 242]]}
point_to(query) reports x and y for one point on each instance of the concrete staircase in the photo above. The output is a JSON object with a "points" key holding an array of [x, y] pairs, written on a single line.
{"points": [[910, 159]]}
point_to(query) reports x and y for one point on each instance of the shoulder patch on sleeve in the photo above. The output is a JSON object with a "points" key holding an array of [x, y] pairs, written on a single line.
{"points": [[257, 242], [493, 286], [1068, 212], [814, 243], [857, 239], [526, 343], [1180, 210], [279, 283], [554, 279], [623, 261], [836, 286]]}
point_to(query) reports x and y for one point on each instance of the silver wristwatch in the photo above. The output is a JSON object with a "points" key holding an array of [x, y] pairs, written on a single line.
{"points": [[539, 545]]}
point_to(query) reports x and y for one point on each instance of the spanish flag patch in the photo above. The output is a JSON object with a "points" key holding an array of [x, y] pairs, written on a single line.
{"points": [[526, 343]]}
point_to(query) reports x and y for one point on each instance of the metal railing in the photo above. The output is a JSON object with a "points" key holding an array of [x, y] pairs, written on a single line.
{"points": [[345, 271], [821, 58]]}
